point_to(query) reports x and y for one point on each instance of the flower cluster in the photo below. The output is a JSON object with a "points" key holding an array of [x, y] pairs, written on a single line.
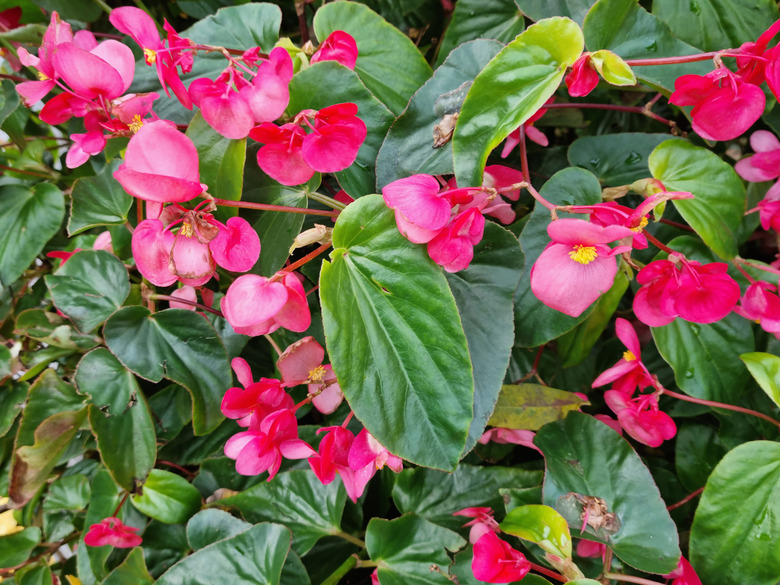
{"points": [[112, 532]]}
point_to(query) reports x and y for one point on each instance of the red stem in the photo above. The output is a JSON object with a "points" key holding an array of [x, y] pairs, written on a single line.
{"points": [[298, 263], [264, 207], [757, 266], [750, 279], [121, 503], [547, 572], [170, 298], [657, 243], [672, 60], [686, 499], [644, 110], [186, 472], [31, 173], [679, 226], [524, 156], [722, 405]]}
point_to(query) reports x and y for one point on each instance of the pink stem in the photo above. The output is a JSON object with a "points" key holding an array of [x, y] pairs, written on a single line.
{"points": [[264, 207], [722, 405]]}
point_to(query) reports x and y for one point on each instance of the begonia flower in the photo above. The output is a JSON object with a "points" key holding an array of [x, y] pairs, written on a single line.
{"points": [[257, 400], [683, 574], [185, 293], [629, 373], [105, 72], [749, 68], [262, 447], [641, 418], [769, 209], [495, 561], [532, 133], [453, 246], [112, 532], [762, 305], [421, 208], [764, 165], [509, 436], [57, 32], [577, 267], [366, 456], [588, 549], [583, 78], [340, 47], [151, 245], [482, 522], [301, 363], [332, 458]]}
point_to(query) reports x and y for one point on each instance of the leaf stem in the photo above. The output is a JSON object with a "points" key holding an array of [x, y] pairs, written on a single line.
{"points": [[103, 5], [121, 503], [547, 572], [341, 570], [298, 263], [170, 298], [644, 110], [325, 200], [685, 500], [631, 579], [178, 467], [349, 538], [273, 343], [769, 269], [657, 243], [672, 60], [266, 207], [722, 405]]}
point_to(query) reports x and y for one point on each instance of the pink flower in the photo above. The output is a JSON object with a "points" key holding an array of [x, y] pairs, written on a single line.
{"points": [[683, 574], [255, 305], [724, 106], [453, 247], [583, 78], [629, 373], [151, 245], [301, 363], [333, 458], [366, 456], [104, 72], [186, 293], [58, 32], [751, 69], [483, 522], [257, 400], [421, 209], [765, 164], [641, 418], [588, 549], [495, 561], [509, 436], [532, 133], [111, 532], [262, 447], [577, 266], [161, 164], [769, 209], [759, 304], [339, 47]]}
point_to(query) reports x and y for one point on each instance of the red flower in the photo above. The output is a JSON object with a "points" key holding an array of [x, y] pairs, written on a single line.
{"points": [[629, 373], [111, 532], [339, 47], [641, 418], [495, 561]]}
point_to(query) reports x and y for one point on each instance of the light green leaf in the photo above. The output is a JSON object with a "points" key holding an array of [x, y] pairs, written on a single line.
{"points": [[542, 525], [132, 571], [765, 368], [167, 497]]}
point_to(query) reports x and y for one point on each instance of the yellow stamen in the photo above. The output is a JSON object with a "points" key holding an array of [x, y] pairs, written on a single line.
{"points": [[628, 356], [151, 56], [42, 76], [641, 225], [72, 580], [583, 254], [136, 124], [186, 230], [317, 374]]}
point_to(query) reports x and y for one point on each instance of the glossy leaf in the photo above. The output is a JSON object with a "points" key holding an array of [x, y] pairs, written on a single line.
{"points": [[484, 295], [12, 400], [9, 99], [616, 159], [254, 556], [28, 219], [132, 571], [68, 493], [705, 358], [327, 83], [531, 406], [577, 450], [407, 351], [536, 323], [392, 83], [209, 526], [719, 194], [481, 19], [16, 548], [167, 497], [179, 346], [300, 501], [625, 28], [713, 25], [697, 451], [613, 69], [409, 146], [738, 518], [50, 328], [765, 368], [89, 287], [538, 9], [436, 495], [98, 201], [516, 83], [405, 549], [542, 525]]}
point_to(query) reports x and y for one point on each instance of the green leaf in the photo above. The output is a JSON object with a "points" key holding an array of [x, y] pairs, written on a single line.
{"points": [[435, 495], [516, 83], [407, 350], [16, 548], [98, 201], [531, 406], [627, 29], [91, 560], [705, 357], [327, 83], [542, 525], [50, 328], [37, 576], [167, 497], [733, 532], [254, 556], [577, 450], [407, 547], [484, 295], [175, 345], [221, 162], [298, 499], [713, 25], [719, 194], [68, 493], [9, 100], [209, 526], [132, 571], [28, 219], [538, 9], [85, 12], [408, 147], [481, 19], [376, 40], [236, 27], [12, 401], [612, 68], [89, 287], [536, 323], [616, 159], [697, 451], [765, 368]]}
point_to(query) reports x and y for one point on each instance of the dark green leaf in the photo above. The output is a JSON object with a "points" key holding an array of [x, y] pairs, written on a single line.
{"points": [[90, 286], [536, 323], [179, 346], [407, 547], [9, 100], [577, 450], [37, 576], [16, 548], [392, 81], [765, 368], [516, 83], [83, 11], [167, 497], [98, 200], [254, 556], [28, 219], [407, 350], [327, 83], [208, 526], [132, 571], [68, 493], [481, 19], [733, 533], [298, 499], [172, 408], [484, 295], [697, 451], [12, 400], [531, 406], [408, 147], [50, 328], [705, 358], [538, 9]]}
